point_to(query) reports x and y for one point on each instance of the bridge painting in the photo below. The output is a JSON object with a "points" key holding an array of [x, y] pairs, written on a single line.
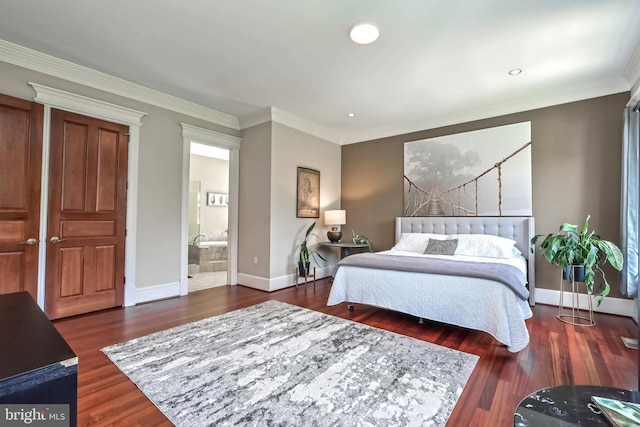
{"points": [[479, 173]]}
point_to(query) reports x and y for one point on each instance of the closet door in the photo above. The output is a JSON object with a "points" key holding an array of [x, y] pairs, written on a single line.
{"points": [[87, 215], [20, 173]]}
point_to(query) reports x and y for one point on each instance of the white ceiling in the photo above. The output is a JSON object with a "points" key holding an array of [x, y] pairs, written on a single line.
{"points": [[436, 62]]}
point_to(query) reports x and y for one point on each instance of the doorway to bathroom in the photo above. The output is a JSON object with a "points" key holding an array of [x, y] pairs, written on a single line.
{"points": [[208, 215]]}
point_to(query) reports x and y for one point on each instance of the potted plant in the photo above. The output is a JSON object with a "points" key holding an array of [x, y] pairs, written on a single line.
{"points": [[572, 249], [306, 254], [360, 239]]}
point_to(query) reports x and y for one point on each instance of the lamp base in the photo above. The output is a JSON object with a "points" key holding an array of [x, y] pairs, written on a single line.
{"points": [[334, 235]]}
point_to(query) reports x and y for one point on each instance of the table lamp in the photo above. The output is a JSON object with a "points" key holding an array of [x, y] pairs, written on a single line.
{"points": [[335, 218]]}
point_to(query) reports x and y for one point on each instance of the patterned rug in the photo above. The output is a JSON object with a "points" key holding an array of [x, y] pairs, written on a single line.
{"points": [[276, 364]]}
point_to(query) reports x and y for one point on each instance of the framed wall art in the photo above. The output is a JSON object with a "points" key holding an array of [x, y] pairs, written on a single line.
{"points": [[216, 199], [308, 193]]}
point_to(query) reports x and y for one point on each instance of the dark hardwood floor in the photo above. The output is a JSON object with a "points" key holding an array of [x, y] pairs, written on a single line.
{"points": [[557, 354]]}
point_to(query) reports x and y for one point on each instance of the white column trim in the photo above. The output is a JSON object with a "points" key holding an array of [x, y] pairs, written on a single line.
{"points": [[208, 137], [44, 205], [234, 191], [67, 101]]}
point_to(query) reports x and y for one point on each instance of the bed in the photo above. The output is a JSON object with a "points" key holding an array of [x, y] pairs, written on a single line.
{"points": [[392, 280]]}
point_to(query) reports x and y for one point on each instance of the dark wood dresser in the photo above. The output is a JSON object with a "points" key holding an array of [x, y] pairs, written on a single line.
{"points": [[37, 366]]}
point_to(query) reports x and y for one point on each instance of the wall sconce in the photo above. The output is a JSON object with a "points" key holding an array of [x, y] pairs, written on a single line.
{"points": [[335, 218]]}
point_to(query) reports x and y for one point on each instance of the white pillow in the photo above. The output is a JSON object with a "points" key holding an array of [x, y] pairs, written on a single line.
{"points": [[485, 245], [515, 253], [416, 242]]}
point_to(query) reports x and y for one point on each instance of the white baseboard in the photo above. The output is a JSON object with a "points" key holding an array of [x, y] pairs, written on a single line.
{"points": [[277, 283], [255, 282], [619, 306], [156, 292], [170, 290], [289, 280]]}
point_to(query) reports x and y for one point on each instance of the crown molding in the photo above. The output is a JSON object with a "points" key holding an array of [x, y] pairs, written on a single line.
{"points": [[601, 88], [258, 117], [298, 123], [50, 65], [631, 74], [274, 114]]}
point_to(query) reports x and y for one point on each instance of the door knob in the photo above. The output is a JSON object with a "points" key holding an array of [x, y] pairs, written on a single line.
{"points": [[30, 241], [55, 239]]}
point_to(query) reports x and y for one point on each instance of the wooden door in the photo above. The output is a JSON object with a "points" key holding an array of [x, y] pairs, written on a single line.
{"points": [[20, 173], [87, 214]]}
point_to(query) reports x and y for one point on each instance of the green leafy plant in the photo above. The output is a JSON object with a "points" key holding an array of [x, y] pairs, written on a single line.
{"points": [[305, 254], [581, 247], [360, 239]]}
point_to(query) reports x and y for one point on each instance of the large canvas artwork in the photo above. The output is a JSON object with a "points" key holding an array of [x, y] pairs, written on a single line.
{"points": [[480, 173]]}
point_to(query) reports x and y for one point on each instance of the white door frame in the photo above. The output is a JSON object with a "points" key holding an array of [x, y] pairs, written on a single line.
{"points": [[215, 139], [55, 98]]}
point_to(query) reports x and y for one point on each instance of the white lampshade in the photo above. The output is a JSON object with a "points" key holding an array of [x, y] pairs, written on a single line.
{"points": [[335, 217]]}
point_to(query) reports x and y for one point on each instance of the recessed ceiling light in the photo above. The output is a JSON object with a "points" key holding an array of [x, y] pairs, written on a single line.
{"points": [[351, 115], [364, 33], [515, 72]]}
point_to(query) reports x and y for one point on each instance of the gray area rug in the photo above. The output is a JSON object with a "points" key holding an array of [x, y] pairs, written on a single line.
{"points": [[276, 364]]}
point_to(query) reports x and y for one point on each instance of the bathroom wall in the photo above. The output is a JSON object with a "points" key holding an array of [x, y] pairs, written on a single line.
{"points": [[214, 177]]}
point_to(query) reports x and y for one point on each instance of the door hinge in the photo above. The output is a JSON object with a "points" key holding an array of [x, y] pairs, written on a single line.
{"points": [[125, 232], [124, 279], [128, 135]]}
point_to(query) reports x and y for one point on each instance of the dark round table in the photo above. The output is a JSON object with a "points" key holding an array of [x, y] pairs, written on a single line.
{"points": [[567, 405]]}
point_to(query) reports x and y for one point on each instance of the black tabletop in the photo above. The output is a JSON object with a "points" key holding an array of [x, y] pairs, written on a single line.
{"points": [[568, 405], [28, 339]]}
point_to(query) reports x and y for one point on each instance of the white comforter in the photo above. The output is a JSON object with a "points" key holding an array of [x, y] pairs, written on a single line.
{"points": [[472, 303]]}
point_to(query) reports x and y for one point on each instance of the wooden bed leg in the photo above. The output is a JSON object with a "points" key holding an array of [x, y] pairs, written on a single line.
{"points": [[350, 307], [420, 320]]}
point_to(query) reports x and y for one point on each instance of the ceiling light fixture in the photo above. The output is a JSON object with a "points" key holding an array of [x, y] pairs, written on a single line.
{"points": [[515, 72], [364, 33], [351, 115]]}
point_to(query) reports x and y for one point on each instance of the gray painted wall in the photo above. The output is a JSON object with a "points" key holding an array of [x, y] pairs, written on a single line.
{"points": [[269, 229], [575, 151], [292, 148], [576, 164], [254, 214], [160, 172]]}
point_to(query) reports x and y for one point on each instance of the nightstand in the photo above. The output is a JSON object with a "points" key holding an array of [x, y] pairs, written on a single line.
{"points": [[345, 247]]}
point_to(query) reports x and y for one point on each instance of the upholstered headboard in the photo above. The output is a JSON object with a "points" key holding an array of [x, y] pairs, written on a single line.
{"points": [[519, 228]]}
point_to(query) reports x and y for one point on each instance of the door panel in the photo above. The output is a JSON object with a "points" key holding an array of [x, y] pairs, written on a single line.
{"points": [[20, 173], [71, 271], [73, 143], [105, 257], [87, 214], [107, 188], [88, 228], [12, 230], [11, 271]]}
